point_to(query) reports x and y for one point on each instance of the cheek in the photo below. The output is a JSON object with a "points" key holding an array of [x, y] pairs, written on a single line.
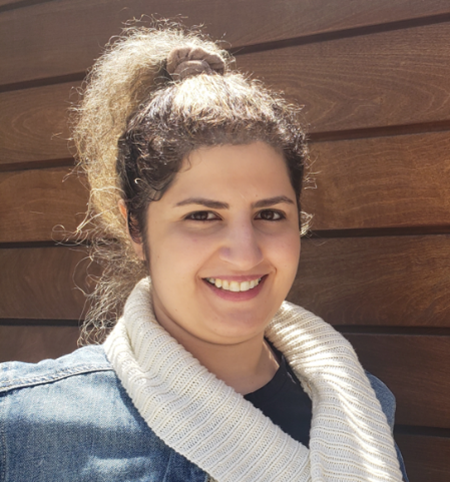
{"points": [[287, 252], [175, 258]]}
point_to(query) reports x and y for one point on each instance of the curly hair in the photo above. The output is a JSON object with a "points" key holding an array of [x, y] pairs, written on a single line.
{"points": [[135, 125]]}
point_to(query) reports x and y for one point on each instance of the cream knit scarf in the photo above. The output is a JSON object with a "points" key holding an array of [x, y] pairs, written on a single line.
{"points": [[203, 419]]}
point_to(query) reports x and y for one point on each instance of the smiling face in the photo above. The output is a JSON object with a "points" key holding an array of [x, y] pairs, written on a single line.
{"points": [[223, 244]]}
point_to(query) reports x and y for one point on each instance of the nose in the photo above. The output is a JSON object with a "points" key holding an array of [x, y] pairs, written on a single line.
{"points": [[241, 245]]}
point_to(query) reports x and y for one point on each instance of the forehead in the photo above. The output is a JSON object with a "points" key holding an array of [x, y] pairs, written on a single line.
{"points": [[250, 170]]}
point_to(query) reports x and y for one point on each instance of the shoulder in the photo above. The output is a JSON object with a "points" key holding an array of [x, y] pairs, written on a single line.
{"points": [[73, 387], [385, 397], [86, 360], [80, 389], [73, 416]]}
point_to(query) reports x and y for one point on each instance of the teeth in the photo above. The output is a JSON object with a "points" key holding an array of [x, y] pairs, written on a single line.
{"points": [[245, 286], [234, 286]]}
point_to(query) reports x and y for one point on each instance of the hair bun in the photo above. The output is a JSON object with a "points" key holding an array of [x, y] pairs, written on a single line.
{"points": [[183, 62]]}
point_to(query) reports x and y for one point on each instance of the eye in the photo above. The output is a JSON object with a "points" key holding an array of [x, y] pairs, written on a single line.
{"points": [[270, 215], [202, 216]]}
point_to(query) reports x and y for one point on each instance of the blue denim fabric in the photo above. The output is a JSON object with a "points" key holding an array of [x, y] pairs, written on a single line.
{"points": [[71, 420], [387, 400]]}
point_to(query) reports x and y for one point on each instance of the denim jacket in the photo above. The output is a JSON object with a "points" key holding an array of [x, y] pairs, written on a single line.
{"points": [[70, 419]]}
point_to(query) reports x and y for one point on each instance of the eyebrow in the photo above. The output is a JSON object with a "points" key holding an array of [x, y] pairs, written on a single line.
{"points": [[209, 203], [273, 200]]}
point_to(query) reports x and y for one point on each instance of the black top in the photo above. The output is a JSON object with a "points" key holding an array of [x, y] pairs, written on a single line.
{"points": [[285, 402]]}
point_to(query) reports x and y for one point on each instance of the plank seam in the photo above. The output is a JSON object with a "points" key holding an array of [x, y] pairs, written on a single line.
{"points": [[22, 4], [422, 431], [382, 131], [341, 34], [25, 322], [41, 164], [253, 48], [45, 244], [43, 82], [313, 138], [344, 329], [378, 232], [311, 235], [393, 330]]}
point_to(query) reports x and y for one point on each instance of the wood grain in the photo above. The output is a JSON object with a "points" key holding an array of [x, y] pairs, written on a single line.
{"points": [[427, 459], [360, 184], [347, 81], [38, 42], [44, 283], [399, 181], [384, 79], [9, 2], [33, 124], [393, 281], [35, 343], [416, 369], [4, 3], [40, 205], [391, 78], [19, 3], [381, 281]]}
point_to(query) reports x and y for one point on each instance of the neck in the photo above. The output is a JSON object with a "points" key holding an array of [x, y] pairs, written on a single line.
{"points": [[245, 366]]}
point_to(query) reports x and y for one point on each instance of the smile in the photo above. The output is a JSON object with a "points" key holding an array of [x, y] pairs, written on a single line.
{"points": [[234, 286]]}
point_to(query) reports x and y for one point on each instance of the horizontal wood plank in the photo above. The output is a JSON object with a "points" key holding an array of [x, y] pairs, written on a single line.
{"points": [[383, 182], [416, 369], [11, 4], [44, 283], [360, 184], [391, 78], [427, 459], [393, 281], [35, 343], [33, 124], [37, 42], [50, 206], [384, 79]]}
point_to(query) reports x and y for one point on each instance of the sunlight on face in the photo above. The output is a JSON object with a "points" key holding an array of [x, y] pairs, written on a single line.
{"points": [[224, 244]]}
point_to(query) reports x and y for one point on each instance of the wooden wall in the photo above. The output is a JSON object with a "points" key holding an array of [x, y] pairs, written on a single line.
{"points": [[374, 77]]}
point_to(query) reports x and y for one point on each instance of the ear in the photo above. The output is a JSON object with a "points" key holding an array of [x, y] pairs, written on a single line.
{"points": [[138, 246]]}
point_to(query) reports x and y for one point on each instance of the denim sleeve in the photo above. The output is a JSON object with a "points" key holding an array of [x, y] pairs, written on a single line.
{"points": [[387, 401], [402, 464], [2, 442]]}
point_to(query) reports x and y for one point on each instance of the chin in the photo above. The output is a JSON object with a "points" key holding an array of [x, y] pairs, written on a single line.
{"points": [[239, 327]]}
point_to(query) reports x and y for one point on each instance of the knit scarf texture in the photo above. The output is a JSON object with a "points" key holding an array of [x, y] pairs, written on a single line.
{"points": [[202, 418]]}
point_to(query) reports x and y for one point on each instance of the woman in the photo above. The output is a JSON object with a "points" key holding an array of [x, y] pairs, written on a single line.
{"points": [[195, 176]]}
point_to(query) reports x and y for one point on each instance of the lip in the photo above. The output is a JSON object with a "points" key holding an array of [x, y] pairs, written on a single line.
{"points": [[240, 295], [239, 278]]}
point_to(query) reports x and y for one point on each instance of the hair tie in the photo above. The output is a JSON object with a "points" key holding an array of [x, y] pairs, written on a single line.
{"points": [[183, 62]]}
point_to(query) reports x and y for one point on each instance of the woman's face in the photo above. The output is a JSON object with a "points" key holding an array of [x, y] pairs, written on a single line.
{"points": [[224, 244]]}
